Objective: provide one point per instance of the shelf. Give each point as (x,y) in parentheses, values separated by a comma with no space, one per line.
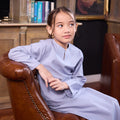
(22,24)
(19,13)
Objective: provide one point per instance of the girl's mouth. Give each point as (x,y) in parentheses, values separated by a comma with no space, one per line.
(67,36)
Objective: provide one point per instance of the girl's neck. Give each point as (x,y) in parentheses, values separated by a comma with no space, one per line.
(65,46)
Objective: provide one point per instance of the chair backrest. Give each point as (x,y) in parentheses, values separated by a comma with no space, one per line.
(26,99)
(110,76)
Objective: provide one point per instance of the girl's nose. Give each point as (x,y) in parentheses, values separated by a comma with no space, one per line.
(67,28)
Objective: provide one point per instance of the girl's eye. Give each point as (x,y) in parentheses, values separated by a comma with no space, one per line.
(60,26)
(72,24)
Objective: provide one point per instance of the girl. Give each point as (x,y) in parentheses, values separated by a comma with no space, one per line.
(61,71)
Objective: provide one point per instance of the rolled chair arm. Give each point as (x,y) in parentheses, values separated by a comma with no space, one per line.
(13,70)
(23,90)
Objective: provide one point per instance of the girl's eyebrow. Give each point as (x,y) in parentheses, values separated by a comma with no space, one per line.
(72,21)
(59,22)
(62,22)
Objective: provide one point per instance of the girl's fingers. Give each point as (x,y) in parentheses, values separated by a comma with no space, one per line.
(59,88)
(46,82)
(53,83)
(52,79)
(55,86)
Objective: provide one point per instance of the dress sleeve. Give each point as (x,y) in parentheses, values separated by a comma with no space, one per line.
(29,54)
(77,80)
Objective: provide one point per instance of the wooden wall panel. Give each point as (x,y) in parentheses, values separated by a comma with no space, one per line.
(114,17)
(34,34)
(9,38)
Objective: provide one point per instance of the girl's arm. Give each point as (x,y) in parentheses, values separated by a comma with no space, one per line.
(29,54)
(49,79)
(77,80)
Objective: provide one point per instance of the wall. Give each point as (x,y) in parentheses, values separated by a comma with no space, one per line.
(113,19)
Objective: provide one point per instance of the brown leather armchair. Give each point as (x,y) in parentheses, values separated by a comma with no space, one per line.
(27,103)
(110,75)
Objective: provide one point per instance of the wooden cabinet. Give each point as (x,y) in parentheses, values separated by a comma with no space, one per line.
(12,35)
(9,38)
(34,34)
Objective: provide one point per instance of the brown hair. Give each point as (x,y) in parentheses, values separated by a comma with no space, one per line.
(52,16)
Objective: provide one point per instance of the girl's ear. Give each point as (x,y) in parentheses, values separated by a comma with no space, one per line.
(49,29)
(76,27)
(77,24)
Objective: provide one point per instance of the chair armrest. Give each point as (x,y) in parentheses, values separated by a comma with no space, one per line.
(23,91)
(26,93)
(13,70)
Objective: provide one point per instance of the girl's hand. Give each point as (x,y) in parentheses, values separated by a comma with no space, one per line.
(58,85)
(45,74)
(49,79)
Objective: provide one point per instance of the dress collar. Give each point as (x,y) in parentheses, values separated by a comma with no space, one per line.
(59,49)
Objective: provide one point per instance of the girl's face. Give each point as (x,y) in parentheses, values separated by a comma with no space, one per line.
(64,29)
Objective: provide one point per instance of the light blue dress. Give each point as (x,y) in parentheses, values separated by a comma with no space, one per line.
(66,65)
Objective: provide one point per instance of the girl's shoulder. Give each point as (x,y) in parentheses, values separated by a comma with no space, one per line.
(45,42)
(44,45)
(75,50)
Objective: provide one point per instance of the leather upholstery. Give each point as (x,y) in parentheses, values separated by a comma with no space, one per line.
(110,76)
(24,90)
